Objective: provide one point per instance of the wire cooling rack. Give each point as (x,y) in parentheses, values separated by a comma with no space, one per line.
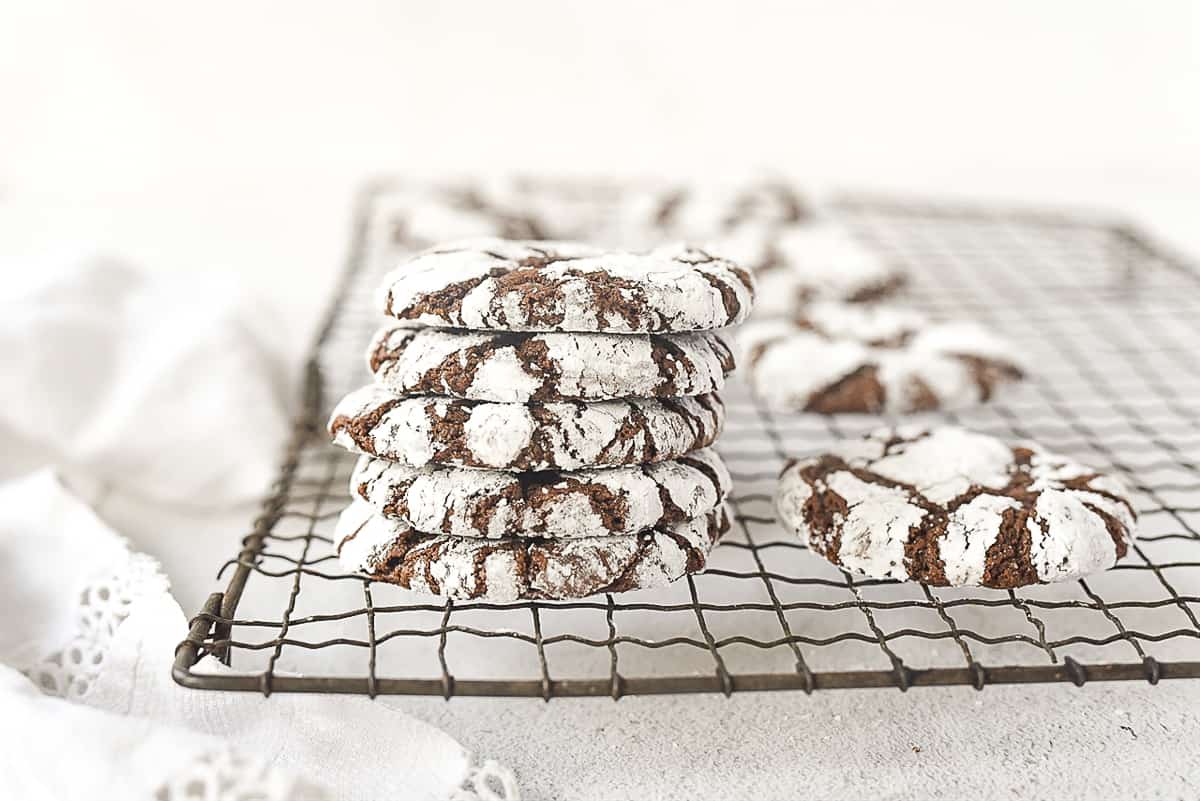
(1110,323)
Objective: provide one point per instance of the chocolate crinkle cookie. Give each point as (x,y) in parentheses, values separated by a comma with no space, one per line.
(497,284)
(950,507)
(469,502)
(817,261)
(834,358)
(526,567)
(703,212)
(519,367)
(566,435)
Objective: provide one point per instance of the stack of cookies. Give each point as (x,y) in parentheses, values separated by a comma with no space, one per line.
(540,420)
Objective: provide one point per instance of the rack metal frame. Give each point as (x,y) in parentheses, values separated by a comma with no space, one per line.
(1111,311)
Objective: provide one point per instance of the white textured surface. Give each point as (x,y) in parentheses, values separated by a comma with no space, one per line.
(1068,540)
(585,366)
(470,502)
(667,289)
(1013,743)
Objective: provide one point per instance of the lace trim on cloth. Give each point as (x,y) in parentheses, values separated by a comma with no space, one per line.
(226,775)
(217,772)
(103,605)
(490,781)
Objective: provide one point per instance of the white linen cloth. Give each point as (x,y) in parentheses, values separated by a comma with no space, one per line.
(89,626)
(164,390)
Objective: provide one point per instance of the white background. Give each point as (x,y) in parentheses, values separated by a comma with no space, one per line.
(227,137)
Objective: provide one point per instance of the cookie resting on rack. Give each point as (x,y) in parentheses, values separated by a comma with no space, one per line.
(502,285)
(839,358)
(409,217)
(813,261)
(521,367)
(566,435)
(469,502)
(703,211)
(950,507)
(522,568)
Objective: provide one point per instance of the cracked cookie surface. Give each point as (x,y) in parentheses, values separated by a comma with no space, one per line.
(521,367)
(510,436)
(503,285)
(469,502)
(815,261)
(837,358)
(524,568)
(951,507)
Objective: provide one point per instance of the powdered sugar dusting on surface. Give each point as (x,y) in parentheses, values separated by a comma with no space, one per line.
(504,378)
(497,433)
(1060,558)
(360,536)
(970,531)
(947,462)
(875,527)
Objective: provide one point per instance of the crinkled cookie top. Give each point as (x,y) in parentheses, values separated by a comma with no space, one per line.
(497,284)
(953,507)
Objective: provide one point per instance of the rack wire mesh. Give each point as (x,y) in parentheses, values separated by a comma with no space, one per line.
(1109,320)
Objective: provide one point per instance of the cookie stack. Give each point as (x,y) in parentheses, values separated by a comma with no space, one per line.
(540,420)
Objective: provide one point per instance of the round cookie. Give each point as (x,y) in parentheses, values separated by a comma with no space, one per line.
(497,284)
(839,358)
(950,507)
(705,211)
(562,209)
(810,262)
(468,502)
(419,217)
(539,436)
(531,568)
(521,367)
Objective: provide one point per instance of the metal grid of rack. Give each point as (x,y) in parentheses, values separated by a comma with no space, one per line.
(1110,323)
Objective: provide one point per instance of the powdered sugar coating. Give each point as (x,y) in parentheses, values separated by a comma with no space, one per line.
(704,211)
(468,502)
(953,507)
(421,216)
(515,368)
(507,436)
(524,568)
(854,358)
(502,285)
(813,261)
